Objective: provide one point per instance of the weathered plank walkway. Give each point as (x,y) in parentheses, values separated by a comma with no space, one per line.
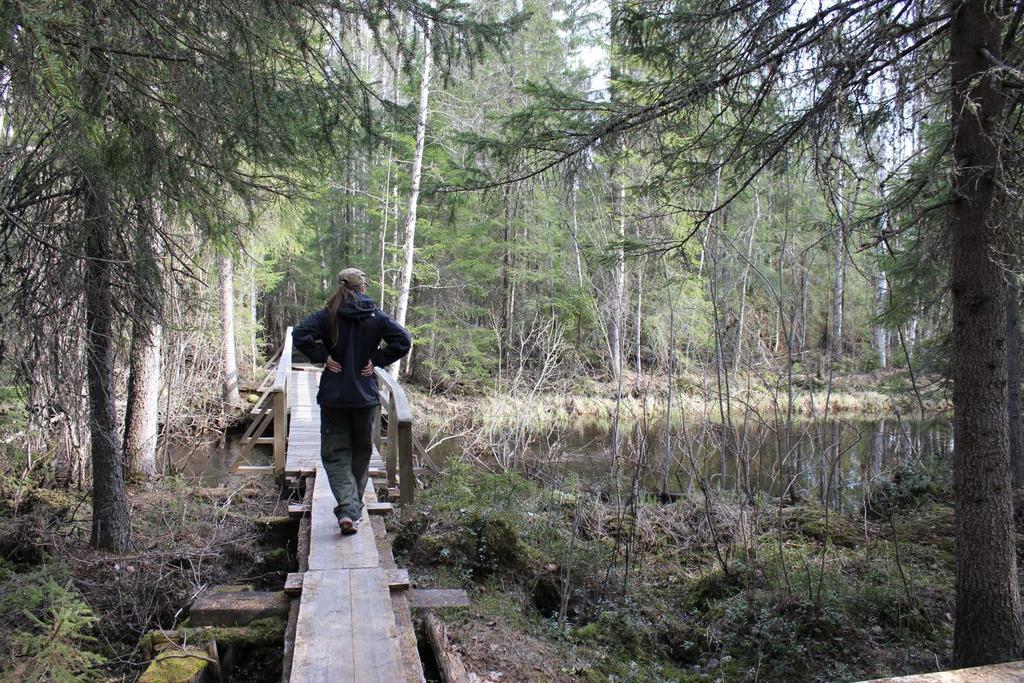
(350,626)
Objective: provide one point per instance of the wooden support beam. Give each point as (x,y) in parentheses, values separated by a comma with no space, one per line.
(236,607)
(265,441)
(255,469)
(298,509)
(379,508)
(448,660)
(398,579)
(293,584)
(438,597)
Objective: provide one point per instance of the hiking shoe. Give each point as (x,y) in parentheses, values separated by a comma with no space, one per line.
(348,527)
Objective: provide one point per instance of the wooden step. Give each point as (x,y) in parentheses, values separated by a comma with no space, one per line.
(298,509)
(398,579)
(380,508)
(438,597)
(236,607)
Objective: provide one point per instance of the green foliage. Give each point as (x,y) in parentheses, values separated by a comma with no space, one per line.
(47,626)
(910,485)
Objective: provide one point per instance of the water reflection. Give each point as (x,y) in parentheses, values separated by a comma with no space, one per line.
(207,463)
(835,461)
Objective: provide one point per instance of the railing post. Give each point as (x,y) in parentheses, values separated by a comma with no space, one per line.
(280,429)
(282,385)
(405,464)
(392,455)
(398,458)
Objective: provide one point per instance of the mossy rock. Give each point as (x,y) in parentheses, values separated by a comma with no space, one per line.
(177,666)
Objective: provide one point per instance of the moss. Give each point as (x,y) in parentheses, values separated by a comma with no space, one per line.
(176,666)
(809,522)
(277,560)
(260,633)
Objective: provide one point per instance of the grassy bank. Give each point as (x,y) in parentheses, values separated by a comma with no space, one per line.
(568,585)
(68,612)
(764,397)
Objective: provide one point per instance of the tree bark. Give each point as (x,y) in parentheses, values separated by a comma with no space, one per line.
(745,282)
(405,286)
(227,322)
(1013,378)
(618,206)
(110,523)
(988,626)
(141,420)
(839,266)
(879,333)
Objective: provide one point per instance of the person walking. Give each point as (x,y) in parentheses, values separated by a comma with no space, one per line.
(345,336)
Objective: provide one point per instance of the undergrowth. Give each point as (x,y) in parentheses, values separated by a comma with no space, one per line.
(693,590)
(68,612)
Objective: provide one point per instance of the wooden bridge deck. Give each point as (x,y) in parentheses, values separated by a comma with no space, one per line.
(348,626)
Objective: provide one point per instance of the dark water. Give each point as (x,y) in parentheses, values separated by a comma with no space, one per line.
(837,461)
(208,463)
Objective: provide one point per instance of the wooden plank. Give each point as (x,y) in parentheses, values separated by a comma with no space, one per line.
(398,579)
(255,469)
(448,660)
(375,647)
(324,633)
(297,509)
(236,608)
(438,597)
(996,673)
(379,508)
(293,584)
(328,548)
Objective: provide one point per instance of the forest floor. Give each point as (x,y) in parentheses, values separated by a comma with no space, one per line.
(763,396)
(567,586)
(69,612)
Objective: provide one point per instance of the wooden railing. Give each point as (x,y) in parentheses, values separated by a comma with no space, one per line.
(272,408)
(398,449)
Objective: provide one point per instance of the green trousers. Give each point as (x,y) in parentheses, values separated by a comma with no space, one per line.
(346,442)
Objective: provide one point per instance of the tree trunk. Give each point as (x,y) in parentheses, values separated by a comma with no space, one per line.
(745,282)
(141,420)
(988,625)
(879,333)
(110,523)
(1013,377)
(579,264)
(227,323)
(405,285)
(618,216)
(839,266)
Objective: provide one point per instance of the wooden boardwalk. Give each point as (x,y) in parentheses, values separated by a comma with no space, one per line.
(351,626)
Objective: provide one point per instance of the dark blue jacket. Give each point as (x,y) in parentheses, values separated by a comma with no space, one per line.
(361,328)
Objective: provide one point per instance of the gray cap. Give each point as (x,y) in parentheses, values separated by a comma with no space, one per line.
(352,278)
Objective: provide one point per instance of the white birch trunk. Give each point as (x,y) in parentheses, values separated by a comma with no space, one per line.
(405,284)
(227,323)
